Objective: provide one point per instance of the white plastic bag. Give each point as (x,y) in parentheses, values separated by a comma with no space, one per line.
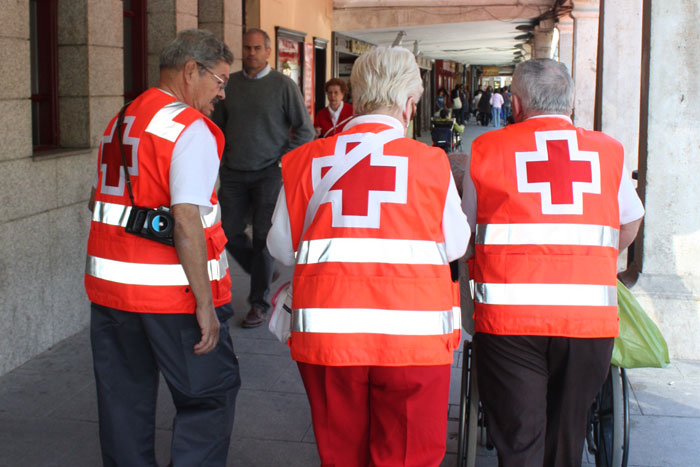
(280,323)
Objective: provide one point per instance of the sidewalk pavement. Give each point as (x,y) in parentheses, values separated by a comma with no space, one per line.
(48,412)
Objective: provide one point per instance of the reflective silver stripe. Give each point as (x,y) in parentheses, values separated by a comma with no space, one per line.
(457,316)
(547,234)
(149,274)
(371,250)
(546,294)
(110,213)
(211,218)
(373,321)
(118,214)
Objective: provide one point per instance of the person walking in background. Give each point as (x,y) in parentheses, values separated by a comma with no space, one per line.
(441,101)
(548,228)
(496,102)
(475,104)
(371,219)
(485,106)
(506,104)
(457,104)
(158,307)
(263,118)
(331,120)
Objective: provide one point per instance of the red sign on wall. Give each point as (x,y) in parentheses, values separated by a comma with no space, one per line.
(309,77)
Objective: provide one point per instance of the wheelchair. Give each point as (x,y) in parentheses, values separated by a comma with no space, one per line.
(444,136)
(607,432)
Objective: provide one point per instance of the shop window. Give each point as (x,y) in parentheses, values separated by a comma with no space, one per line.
(43,35)
(290,54)
(135,48)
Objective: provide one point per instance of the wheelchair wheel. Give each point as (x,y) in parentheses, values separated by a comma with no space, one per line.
(471,427)
(608,430)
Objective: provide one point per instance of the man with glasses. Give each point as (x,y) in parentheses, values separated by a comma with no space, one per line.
(263,118)
(158,307)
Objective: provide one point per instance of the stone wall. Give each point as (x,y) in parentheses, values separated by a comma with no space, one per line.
(44,220)
(669,286)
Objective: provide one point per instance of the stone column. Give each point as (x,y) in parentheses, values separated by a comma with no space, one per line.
(622,57)
(669,286)
(90,70)
(224,18)
(585,57)
(165,19)
(544,34)
(566,40)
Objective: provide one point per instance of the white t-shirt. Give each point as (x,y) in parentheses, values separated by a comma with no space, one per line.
(496,100)
(194,167)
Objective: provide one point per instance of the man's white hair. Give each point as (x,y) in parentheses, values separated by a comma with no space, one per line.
(543,86)
(383,79)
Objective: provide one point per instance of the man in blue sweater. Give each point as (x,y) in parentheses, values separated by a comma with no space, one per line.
(263,117)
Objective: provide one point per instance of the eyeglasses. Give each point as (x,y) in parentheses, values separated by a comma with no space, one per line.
(222,83)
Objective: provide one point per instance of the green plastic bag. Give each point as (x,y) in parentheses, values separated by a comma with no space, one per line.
(640,343)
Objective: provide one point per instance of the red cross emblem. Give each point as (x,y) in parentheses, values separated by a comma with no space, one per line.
(357,196)
(112,173)
(559,172)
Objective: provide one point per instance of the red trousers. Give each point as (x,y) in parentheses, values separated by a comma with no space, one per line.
(378,416)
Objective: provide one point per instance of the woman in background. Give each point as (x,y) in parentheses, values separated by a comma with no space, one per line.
(332,119)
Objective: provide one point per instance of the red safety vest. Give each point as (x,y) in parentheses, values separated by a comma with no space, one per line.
(547,230)
(128,272)
(371,283)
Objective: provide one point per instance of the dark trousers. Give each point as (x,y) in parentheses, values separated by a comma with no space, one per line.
(128,351)
(255,193)
(378,415)
(536,392)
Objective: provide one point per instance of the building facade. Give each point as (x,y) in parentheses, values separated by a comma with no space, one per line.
(68,66)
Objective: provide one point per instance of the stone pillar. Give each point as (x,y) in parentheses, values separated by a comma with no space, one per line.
(15,106)
(622,57)
(224,18)
(544,35)
(566,40)
(90,69)
(165,19)
(669,286)
(585,58)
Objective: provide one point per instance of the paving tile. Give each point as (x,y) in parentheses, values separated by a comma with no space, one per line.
(261,372)
(289,381)
(668,393)
(265,453)
(256,345)
(268,415)
(664,441)
(30,441)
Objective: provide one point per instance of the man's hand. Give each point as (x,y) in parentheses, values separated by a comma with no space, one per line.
(209,324)
(192,252)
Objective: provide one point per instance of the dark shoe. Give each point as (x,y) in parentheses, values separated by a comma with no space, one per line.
(255,317)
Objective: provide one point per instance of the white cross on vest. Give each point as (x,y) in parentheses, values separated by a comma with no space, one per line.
(558,171)
(357,196)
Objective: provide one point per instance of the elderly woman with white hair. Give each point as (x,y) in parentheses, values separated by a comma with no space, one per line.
(371,220)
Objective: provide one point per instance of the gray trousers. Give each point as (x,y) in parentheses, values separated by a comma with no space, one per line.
(129,350)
